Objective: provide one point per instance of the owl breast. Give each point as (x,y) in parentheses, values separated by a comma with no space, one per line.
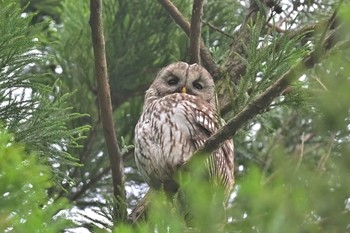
(169,131)
(163,138)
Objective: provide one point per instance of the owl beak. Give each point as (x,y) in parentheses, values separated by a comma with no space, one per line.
(183,90)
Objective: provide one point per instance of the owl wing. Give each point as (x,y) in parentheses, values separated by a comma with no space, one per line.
(207,122)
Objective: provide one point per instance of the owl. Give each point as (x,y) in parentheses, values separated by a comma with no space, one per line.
(179,115)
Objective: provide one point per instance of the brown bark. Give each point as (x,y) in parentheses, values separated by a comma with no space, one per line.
(105,104)
(195,31)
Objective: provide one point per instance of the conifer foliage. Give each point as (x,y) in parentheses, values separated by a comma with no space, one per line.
(34,136)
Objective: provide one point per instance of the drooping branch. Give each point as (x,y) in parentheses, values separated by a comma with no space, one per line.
(195,32)
(105,104)
(179,19)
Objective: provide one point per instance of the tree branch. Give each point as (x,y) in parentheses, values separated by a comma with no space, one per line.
(307,31)
(261,102)
(195,32)
(179,19)
(104,97)
(218,29)
(88,185)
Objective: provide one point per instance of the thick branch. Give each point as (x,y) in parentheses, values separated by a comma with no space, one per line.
(176,15)
(106,105)
(195,32)
(179,19)
(261,102)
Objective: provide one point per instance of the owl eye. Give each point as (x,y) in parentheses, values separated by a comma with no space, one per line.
(197,85)
(173,81)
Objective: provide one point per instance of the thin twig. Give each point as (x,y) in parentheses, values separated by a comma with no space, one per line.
(105,103)
(218,29)
(301,154)
(140,209)
(324,87)
(87,186)
(322,163)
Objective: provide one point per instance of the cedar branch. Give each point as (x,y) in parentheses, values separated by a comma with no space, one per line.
(85,151)
(105,104)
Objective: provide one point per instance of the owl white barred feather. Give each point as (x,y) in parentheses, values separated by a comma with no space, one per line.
(179,115)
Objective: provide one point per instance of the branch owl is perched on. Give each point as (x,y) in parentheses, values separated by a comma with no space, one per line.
(179,115)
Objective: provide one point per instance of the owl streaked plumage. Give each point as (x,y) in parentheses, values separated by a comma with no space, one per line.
(179,115)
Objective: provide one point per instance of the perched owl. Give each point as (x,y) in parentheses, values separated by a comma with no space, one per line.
(179,115)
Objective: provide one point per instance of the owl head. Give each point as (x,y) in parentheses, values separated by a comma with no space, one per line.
(181,77)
